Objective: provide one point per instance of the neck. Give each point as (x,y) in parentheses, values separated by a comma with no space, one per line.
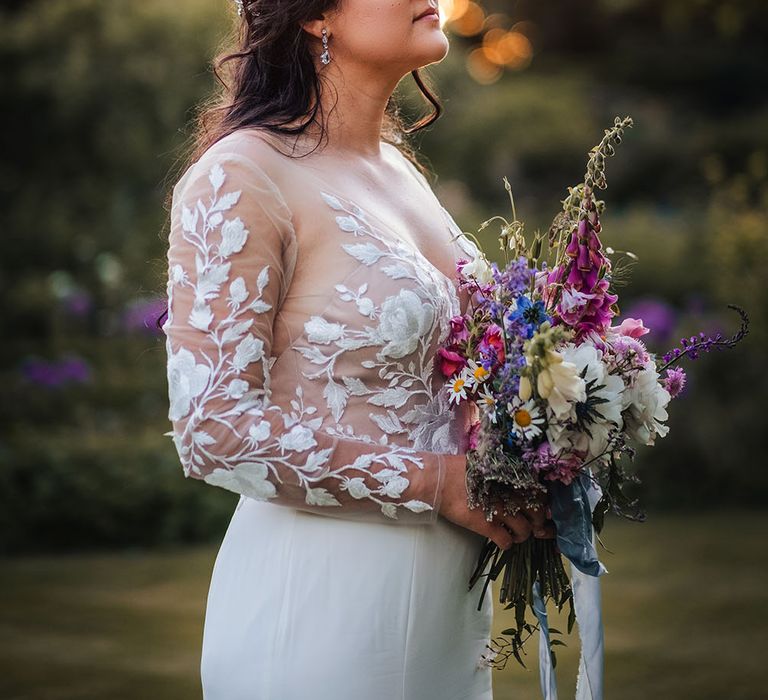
(354,104)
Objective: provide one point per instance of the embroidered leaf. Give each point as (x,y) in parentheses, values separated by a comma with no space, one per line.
(336,397)
(226,201)
(321,497)
(216,177)
(417,506)
(391,398)
(366,253)
(390,510)
(235,332)
(332,202)
(347,223)
(263,278)
(355,386)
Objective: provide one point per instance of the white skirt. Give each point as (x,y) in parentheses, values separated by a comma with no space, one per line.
(311,607)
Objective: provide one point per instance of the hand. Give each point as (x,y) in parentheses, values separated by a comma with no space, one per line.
(504,530)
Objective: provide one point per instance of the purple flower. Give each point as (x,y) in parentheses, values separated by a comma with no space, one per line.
(674,382)
(79,303)
(68,370)
(658,316)
(141,315)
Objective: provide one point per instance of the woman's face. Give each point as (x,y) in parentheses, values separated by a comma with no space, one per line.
(387,34)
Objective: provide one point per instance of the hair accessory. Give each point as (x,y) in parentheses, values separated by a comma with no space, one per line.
(241,8)
(325,57)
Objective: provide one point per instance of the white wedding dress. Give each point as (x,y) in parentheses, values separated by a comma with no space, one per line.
(301,340)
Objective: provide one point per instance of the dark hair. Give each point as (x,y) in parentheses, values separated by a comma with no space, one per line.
(271,81)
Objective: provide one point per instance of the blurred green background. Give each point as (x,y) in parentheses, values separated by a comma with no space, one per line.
(103,541)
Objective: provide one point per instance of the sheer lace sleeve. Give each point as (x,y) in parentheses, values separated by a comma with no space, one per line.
(231,258)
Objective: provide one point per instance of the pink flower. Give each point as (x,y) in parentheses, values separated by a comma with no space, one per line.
(459,332)
(474,435)
(450,362)
(492,344)
(555,467)
(625,347)
(633,327)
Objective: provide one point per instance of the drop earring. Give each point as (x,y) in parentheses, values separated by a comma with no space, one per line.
(325,57)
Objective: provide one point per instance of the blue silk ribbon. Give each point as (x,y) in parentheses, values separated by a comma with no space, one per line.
(572,507)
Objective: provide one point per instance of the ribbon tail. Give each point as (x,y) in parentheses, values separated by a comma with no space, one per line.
(587,604)
(546,671)
(572,507)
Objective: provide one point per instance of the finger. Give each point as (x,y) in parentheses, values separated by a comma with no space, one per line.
(500,536)
(537,518)
(520,527)
(548,532)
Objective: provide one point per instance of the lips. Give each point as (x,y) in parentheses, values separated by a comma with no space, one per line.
(428,12)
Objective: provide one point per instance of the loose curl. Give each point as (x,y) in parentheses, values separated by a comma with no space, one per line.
(271,80)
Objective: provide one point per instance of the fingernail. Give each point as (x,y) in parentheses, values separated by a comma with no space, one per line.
(539,533)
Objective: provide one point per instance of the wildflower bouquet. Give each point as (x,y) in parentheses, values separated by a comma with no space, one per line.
(564,393)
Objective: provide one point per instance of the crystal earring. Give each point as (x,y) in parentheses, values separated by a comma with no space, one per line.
(325,57)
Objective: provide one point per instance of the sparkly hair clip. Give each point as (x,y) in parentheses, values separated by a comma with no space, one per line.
(241,8)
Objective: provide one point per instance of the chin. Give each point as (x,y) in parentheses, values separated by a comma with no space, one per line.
(432,51)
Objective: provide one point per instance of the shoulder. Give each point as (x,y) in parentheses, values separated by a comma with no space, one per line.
(243,159)
(406,164)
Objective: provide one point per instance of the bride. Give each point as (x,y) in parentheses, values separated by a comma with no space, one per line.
(311,280)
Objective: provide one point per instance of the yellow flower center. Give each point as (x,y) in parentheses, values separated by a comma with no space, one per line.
(522,418)
(481,373)
(458,385)
(490,401)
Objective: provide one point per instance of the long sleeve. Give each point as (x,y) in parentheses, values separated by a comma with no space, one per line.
(231,258)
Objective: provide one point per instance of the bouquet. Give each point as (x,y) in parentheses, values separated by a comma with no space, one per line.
(565,392)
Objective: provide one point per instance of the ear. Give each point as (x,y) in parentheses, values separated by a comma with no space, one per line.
(315,27)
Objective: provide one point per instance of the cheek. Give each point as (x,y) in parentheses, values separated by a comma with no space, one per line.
(384,31)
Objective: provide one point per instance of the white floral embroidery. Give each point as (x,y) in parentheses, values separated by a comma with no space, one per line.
(411,324)
(208,388)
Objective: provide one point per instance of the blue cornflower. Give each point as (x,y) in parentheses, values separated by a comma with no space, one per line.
(529,313)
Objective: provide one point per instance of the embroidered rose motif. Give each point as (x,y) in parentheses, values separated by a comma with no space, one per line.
(404,320)
(186,381)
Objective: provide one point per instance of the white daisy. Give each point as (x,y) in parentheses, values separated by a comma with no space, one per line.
(488,403)
(476,374)
(457,387)
(527,418)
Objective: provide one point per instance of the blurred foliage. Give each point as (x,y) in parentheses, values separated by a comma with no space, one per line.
(97,98)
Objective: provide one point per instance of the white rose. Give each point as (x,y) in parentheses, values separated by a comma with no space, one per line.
(319,330)
(249,349)
(404,320)
(248,479)
(298,439)
(236,388)
(233,237)
(186,381)
(645,406)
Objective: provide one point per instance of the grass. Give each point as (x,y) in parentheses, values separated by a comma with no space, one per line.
(684,608)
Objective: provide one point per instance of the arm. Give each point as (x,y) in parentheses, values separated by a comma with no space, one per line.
(232,252)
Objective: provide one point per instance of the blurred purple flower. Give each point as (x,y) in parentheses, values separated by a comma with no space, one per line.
(141,315)
(79,303)
(68,370)
(658,316)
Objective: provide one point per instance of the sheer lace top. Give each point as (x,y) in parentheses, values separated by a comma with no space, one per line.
(301,339)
